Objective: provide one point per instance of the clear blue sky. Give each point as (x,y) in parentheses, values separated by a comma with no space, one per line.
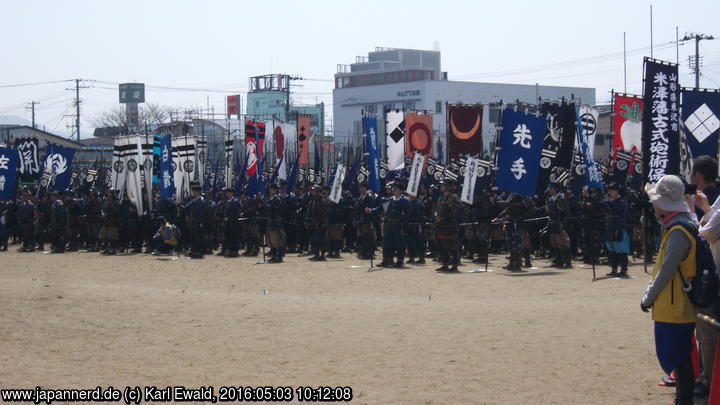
(219,44)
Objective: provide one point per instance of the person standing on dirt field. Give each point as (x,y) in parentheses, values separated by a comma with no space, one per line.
(449,215)
(672,311)
(617,240)
(558,212)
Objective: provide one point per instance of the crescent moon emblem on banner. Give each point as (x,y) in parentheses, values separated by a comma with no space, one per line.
(464,135)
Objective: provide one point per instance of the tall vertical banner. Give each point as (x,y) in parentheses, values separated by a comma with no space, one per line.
(228,178)
(167,182)
(470,174)
(147,168)
(521,143)
(415,174)
(627,123)
(200,154)
(588,118)
(279,139)
(303,139)
(661,118)
(156,158)
(57,171)
(418,134)
(183,162)
(464,130)
(29,159)
(134,179)
(8,174)
(592,175)
(558,143)
(395,139)
(700,111)
(336,191)
(371,148)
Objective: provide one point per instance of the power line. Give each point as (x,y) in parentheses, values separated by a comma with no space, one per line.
(33,83)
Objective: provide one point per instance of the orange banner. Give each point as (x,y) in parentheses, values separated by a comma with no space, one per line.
(418,129)
(303,137)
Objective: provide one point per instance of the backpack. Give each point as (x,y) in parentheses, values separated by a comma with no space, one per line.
(168,235)
(703,288)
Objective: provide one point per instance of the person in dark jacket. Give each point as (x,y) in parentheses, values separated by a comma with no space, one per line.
(26,220)
(196,210)
(58,223)
(617,240)
(395,226)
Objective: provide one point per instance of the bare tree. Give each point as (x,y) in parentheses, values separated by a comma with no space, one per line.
(149,114)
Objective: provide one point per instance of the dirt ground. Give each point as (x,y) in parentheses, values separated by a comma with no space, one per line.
(410,336)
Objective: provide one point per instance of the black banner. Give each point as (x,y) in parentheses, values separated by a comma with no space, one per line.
(29,159)
(558,144)
(661,120)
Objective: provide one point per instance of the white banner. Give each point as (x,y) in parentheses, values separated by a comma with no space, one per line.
(200,154)
(395,139)
(336,192)
(589,120)
(147,169)
(184,165)
(471,172)
(415,174)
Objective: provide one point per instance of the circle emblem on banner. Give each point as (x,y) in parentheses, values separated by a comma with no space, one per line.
(132,165)
(580,170)
(481,171)
(437,176)
(553,178)
(188,166)
(361,177)
(148,164)
(383,173)
(90,178)
(173,166)
(419,137)
(431,170)
(638,169)
(119,166)
(201,157)
(588,124)
(622,165)
(311,178)
(301,178)
(44,182)
(545,162)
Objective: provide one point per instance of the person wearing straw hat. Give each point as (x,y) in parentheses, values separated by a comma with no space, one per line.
(672,311)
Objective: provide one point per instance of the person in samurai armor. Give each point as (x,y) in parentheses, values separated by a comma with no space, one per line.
(335,225)
(395,226)
(316,223)
(230,214)
(252,210)
(275,233)
(26,219)
(558,211)
(594,211)
(415,233)
(617,240)
(196,210)
(513,217)
(478,227)
(448,217)
(58,222)
(366,241)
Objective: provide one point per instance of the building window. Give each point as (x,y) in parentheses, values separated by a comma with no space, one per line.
(371,108)
(438,107)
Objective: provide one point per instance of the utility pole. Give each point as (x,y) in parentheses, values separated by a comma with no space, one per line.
(696,68)
(32,108)
(77,106)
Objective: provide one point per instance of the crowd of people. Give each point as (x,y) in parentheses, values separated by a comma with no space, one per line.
(598,226)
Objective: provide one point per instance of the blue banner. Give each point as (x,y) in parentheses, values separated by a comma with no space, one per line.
(167,180)
(57,172)
(292,176)
(593,177)
(521,142)
(157,148)
(371,148)
(700,110)
(8,173)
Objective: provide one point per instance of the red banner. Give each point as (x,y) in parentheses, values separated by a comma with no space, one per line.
(303,137)
(279,139)
(627,123)
(464,130)
(254,140)
(233,105)
(418,130)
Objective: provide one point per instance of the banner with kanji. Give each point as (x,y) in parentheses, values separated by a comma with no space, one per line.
(464,130)
(28,159)
(592,175)
(167,182)
(558,144)
(8,174)
(371,148)
(661,119)
(521,142)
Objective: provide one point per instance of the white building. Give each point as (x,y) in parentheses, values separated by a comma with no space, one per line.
(412,80)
